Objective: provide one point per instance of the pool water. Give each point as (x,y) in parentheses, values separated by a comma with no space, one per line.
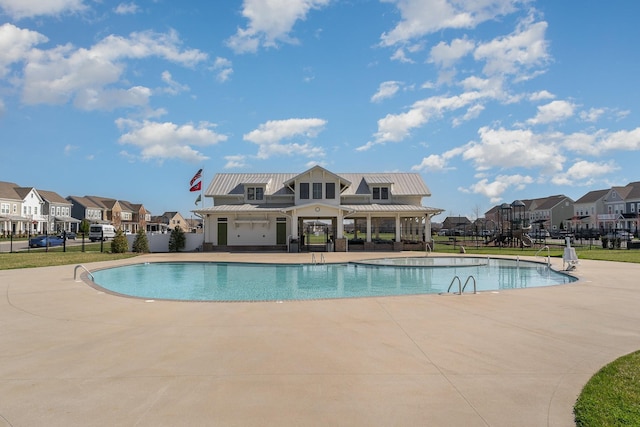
(211,281)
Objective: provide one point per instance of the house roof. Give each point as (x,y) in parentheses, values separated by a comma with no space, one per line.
(8,191)
(592,196)
(404,184)
(53,197)
(85,202)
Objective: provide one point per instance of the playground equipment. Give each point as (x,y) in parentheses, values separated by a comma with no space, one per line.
(513,226)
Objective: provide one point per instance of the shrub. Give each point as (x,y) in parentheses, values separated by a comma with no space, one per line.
(177,240)
(119,244)
(141,243)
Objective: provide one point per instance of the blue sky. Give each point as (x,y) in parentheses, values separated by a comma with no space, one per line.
(489,100)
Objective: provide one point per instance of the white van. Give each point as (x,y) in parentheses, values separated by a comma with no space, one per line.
(101,231)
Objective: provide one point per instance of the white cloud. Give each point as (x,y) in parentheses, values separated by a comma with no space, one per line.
(541,95)
(127,9)
(16,45)
(494,190)
(473,112)
(386,90)
(583,173)
(422,17)
(236,161)
(270,22)
(437,162)
(502,148)
(162,141)
(29,8)
(592,115)
(396,127)
(554,111)
(521,50)
(90,77)
(224,69)
(3,108)
(446,55)
(269,137)
(173,87)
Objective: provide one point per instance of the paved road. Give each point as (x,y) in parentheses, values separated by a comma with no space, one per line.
(23,245)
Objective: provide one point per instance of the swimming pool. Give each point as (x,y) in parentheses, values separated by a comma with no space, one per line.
(213,281)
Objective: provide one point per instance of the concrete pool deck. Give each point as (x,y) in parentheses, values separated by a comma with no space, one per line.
(71,355)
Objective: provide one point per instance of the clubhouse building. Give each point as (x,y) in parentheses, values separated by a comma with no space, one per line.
(317,210)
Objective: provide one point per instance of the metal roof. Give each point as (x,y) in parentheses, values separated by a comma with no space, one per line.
(404,184)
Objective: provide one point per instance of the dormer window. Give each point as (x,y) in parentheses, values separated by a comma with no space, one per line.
(380,193)
(317,190)
(255,193)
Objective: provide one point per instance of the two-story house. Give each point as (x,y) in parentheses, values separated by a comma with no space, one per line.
(11,220)
(58,210)
(87,209)
(317,207)
(622,208)
(32,209)
(586,210)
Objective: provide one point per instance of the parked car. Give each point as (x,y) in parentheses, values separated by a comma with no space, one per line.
(540,234)
(70,235)
(44,241)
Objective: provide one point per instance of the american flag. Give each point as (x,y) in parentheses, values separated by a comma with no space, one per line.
(196,177)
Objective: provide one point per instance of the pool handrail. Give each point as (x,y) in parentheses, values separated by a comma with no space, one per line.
(548,254)
(75,270)
(461,288)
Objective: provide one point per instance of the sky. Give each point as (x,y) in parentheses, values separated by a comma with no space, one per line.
(490,101)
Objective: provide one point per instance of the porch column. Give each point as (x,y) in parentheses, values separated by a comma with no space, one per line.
(294,224)
(368,227)
(339,225)
(398,239)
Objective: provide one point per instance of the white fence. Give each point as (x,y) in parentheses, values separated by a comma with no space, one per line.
(160,242)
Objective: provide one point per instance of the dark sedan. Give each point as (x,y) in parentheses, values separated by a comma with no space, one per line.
(44,241)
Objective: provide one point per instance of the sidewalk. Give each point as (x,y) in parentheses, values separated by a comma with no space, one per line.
(71,355)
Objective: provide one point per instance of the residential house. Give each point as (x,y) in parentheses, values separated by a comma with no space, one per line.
(175,220)
(281,211)
(459,225)
(586,211)
(32,209)
(84,208)
(58,211)
(11,220)
(549,213)
(622,208)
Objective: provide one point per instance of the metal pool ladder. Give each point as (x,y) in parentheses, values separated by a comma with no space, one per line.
(548,254)
(75,271)
(314,261)
(461,288)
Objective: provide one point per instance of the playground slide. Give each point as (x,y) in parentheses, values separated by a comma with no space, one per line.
(523,237)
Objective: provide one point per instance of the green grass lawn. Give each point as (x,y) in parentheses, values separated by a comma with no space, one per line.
(56,256)
(612,395)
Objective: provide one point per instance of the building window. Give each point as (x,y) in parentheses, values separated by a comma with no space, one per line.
(317,190)
(380,193)
(304,190)
(255,193)
(330,190)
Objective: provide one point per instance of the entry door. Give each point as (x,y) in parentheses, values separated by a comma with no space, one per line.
(222,234)
(281,233)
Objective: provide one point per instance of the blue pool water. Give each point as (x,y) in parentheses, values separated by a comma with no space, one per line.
(211,281)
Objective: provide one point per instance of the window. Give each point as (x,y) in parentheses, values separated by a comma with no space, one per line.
(304,190)
(255,193)
(52,211)
(380,193)
(35,210)
(317,190)
(4,208)
(330,190)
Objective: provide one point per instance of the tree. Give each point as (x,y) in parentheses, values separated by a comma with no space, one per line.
(141,243)
(84,227)
(119,244)
(177,240)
